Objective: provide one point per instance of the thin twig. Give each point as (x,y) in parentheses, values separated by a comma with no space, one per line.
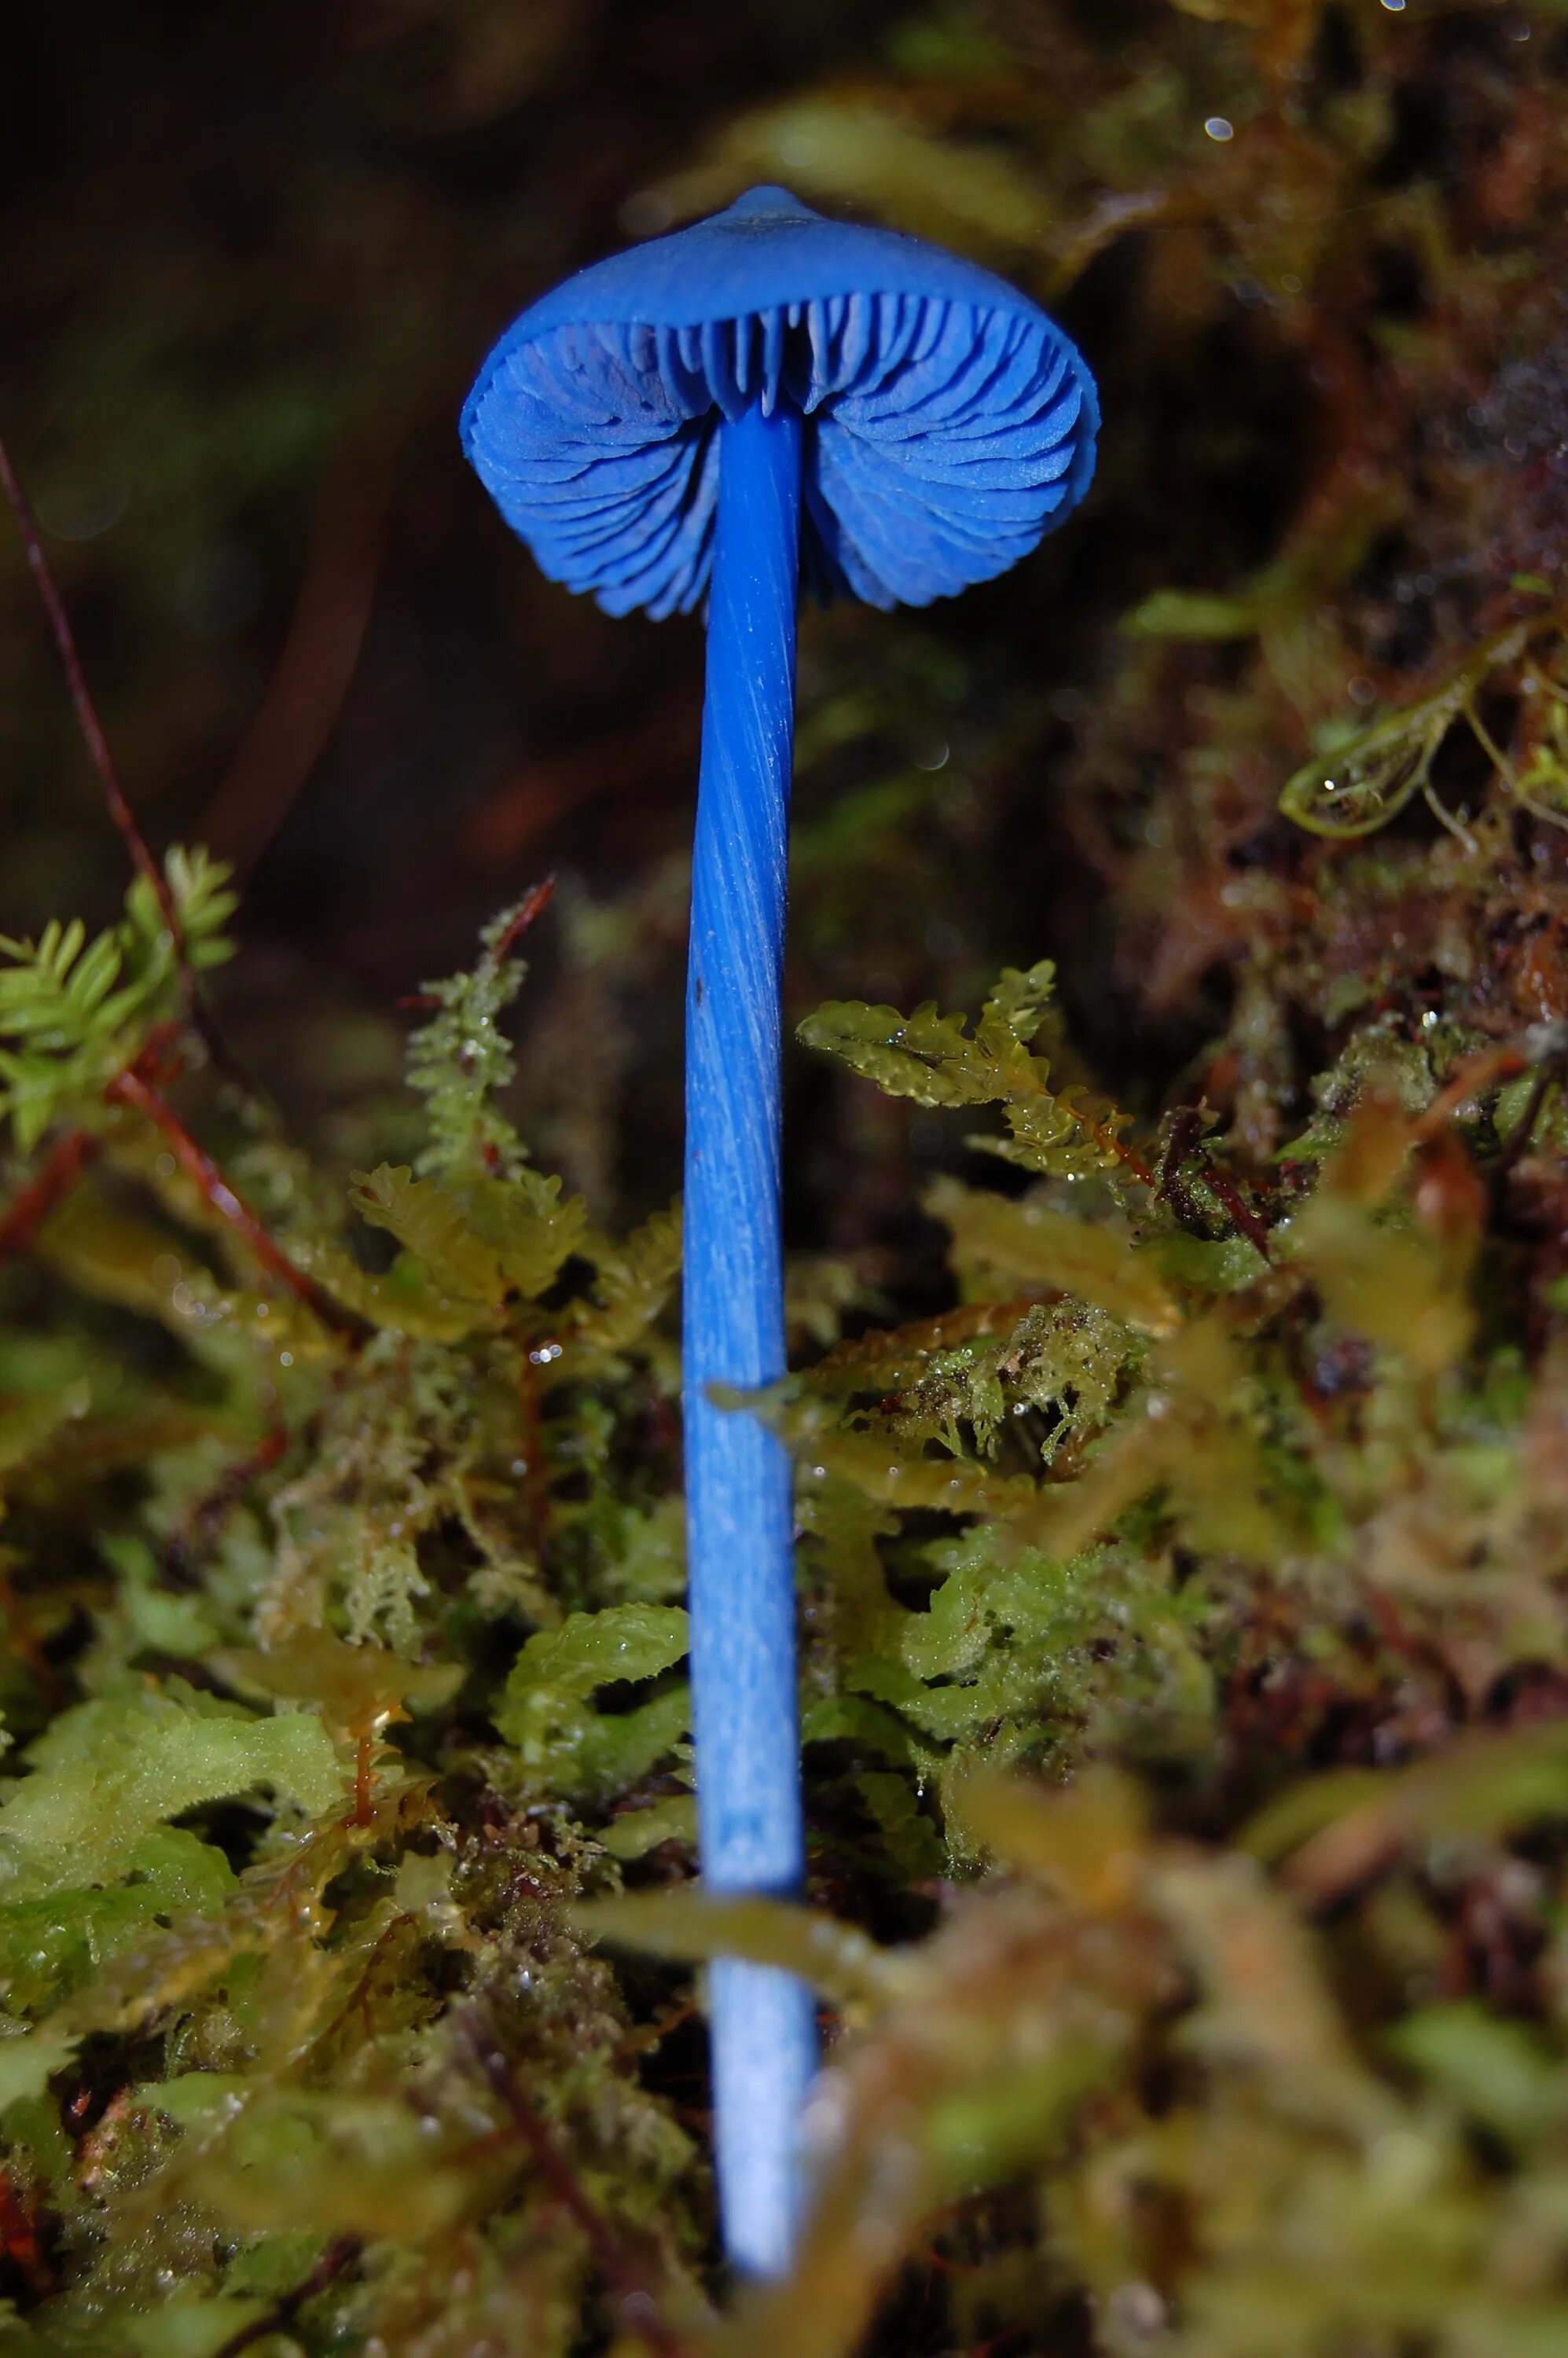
(640,2311)
(338,2255)
(998,2342)
(1473,1074)
(322,648)
(622,762)
(133,1090)
(1243,1218)
(19,2236)
(198,1527)
(92,728)
(1129,1159)
(28,1210)
(1186,1130)
(120,811)
(534,903)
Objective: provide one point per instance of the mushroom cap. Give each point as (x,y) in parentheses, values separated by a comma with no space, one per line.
(949,424)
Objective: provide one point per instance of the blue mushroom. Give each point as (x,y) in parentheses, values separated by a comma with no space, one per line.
(764,397)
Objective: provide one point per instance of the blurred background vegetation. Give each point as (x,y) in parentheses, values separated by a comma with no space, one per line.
(1232,1432)
(249,264)
(250,261)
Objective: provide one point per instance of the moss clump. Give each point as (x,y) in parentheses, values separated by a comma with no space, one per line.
(1180,1393)
(345,1670)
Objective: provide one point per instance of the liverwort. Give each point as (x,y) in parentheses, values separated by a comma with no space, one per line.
(764,397)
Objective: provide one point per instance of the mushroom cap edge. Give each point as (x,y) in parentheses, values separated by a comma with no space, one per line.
(592,514)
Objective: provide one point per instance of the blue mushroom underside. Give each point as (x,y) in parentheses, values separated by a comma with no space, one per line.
(943,439)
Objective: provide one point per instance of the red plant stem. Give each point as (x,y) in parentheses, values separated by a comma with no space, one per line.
(200,1526)
(131,1088)
(63,1166)
(1186,1129)
(364,1780)
(326,2272)
(92,728)
(1473,1074)
(325,636)
(534,903)
(1241,1213)
(640,2310)
(1127,1157)
(19,2237)
(120,812)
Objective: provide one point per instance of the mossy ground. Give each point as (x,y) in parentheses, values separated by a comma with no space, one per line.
(1180,1339)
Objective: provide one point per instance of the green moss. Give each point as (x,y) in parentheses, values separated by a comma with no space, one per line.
(1179,1390)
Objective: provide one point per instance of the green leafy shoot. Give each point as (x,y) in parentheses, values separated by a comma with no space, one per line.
(461,1061)
(547,1712)
(111,1770)
(936,1060)
(75,1011)
(1367,777)
(506,1235)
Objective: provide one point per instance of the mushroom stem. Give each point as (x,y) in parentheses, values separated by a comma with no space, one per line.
(739,1514)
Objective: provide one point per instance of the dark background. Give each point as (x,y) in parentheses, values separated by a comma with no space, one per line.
(253,258)
(249,260)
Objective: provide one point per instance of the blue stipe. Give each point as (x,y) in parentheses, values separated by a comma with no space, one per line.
(701,418)
(739,1504)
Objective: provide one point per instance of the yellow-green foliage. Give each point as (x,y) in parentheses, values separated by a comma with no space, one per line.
(369,1677)
(935,1060)
(213,1841)
(72,1011)
(1179,1384)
